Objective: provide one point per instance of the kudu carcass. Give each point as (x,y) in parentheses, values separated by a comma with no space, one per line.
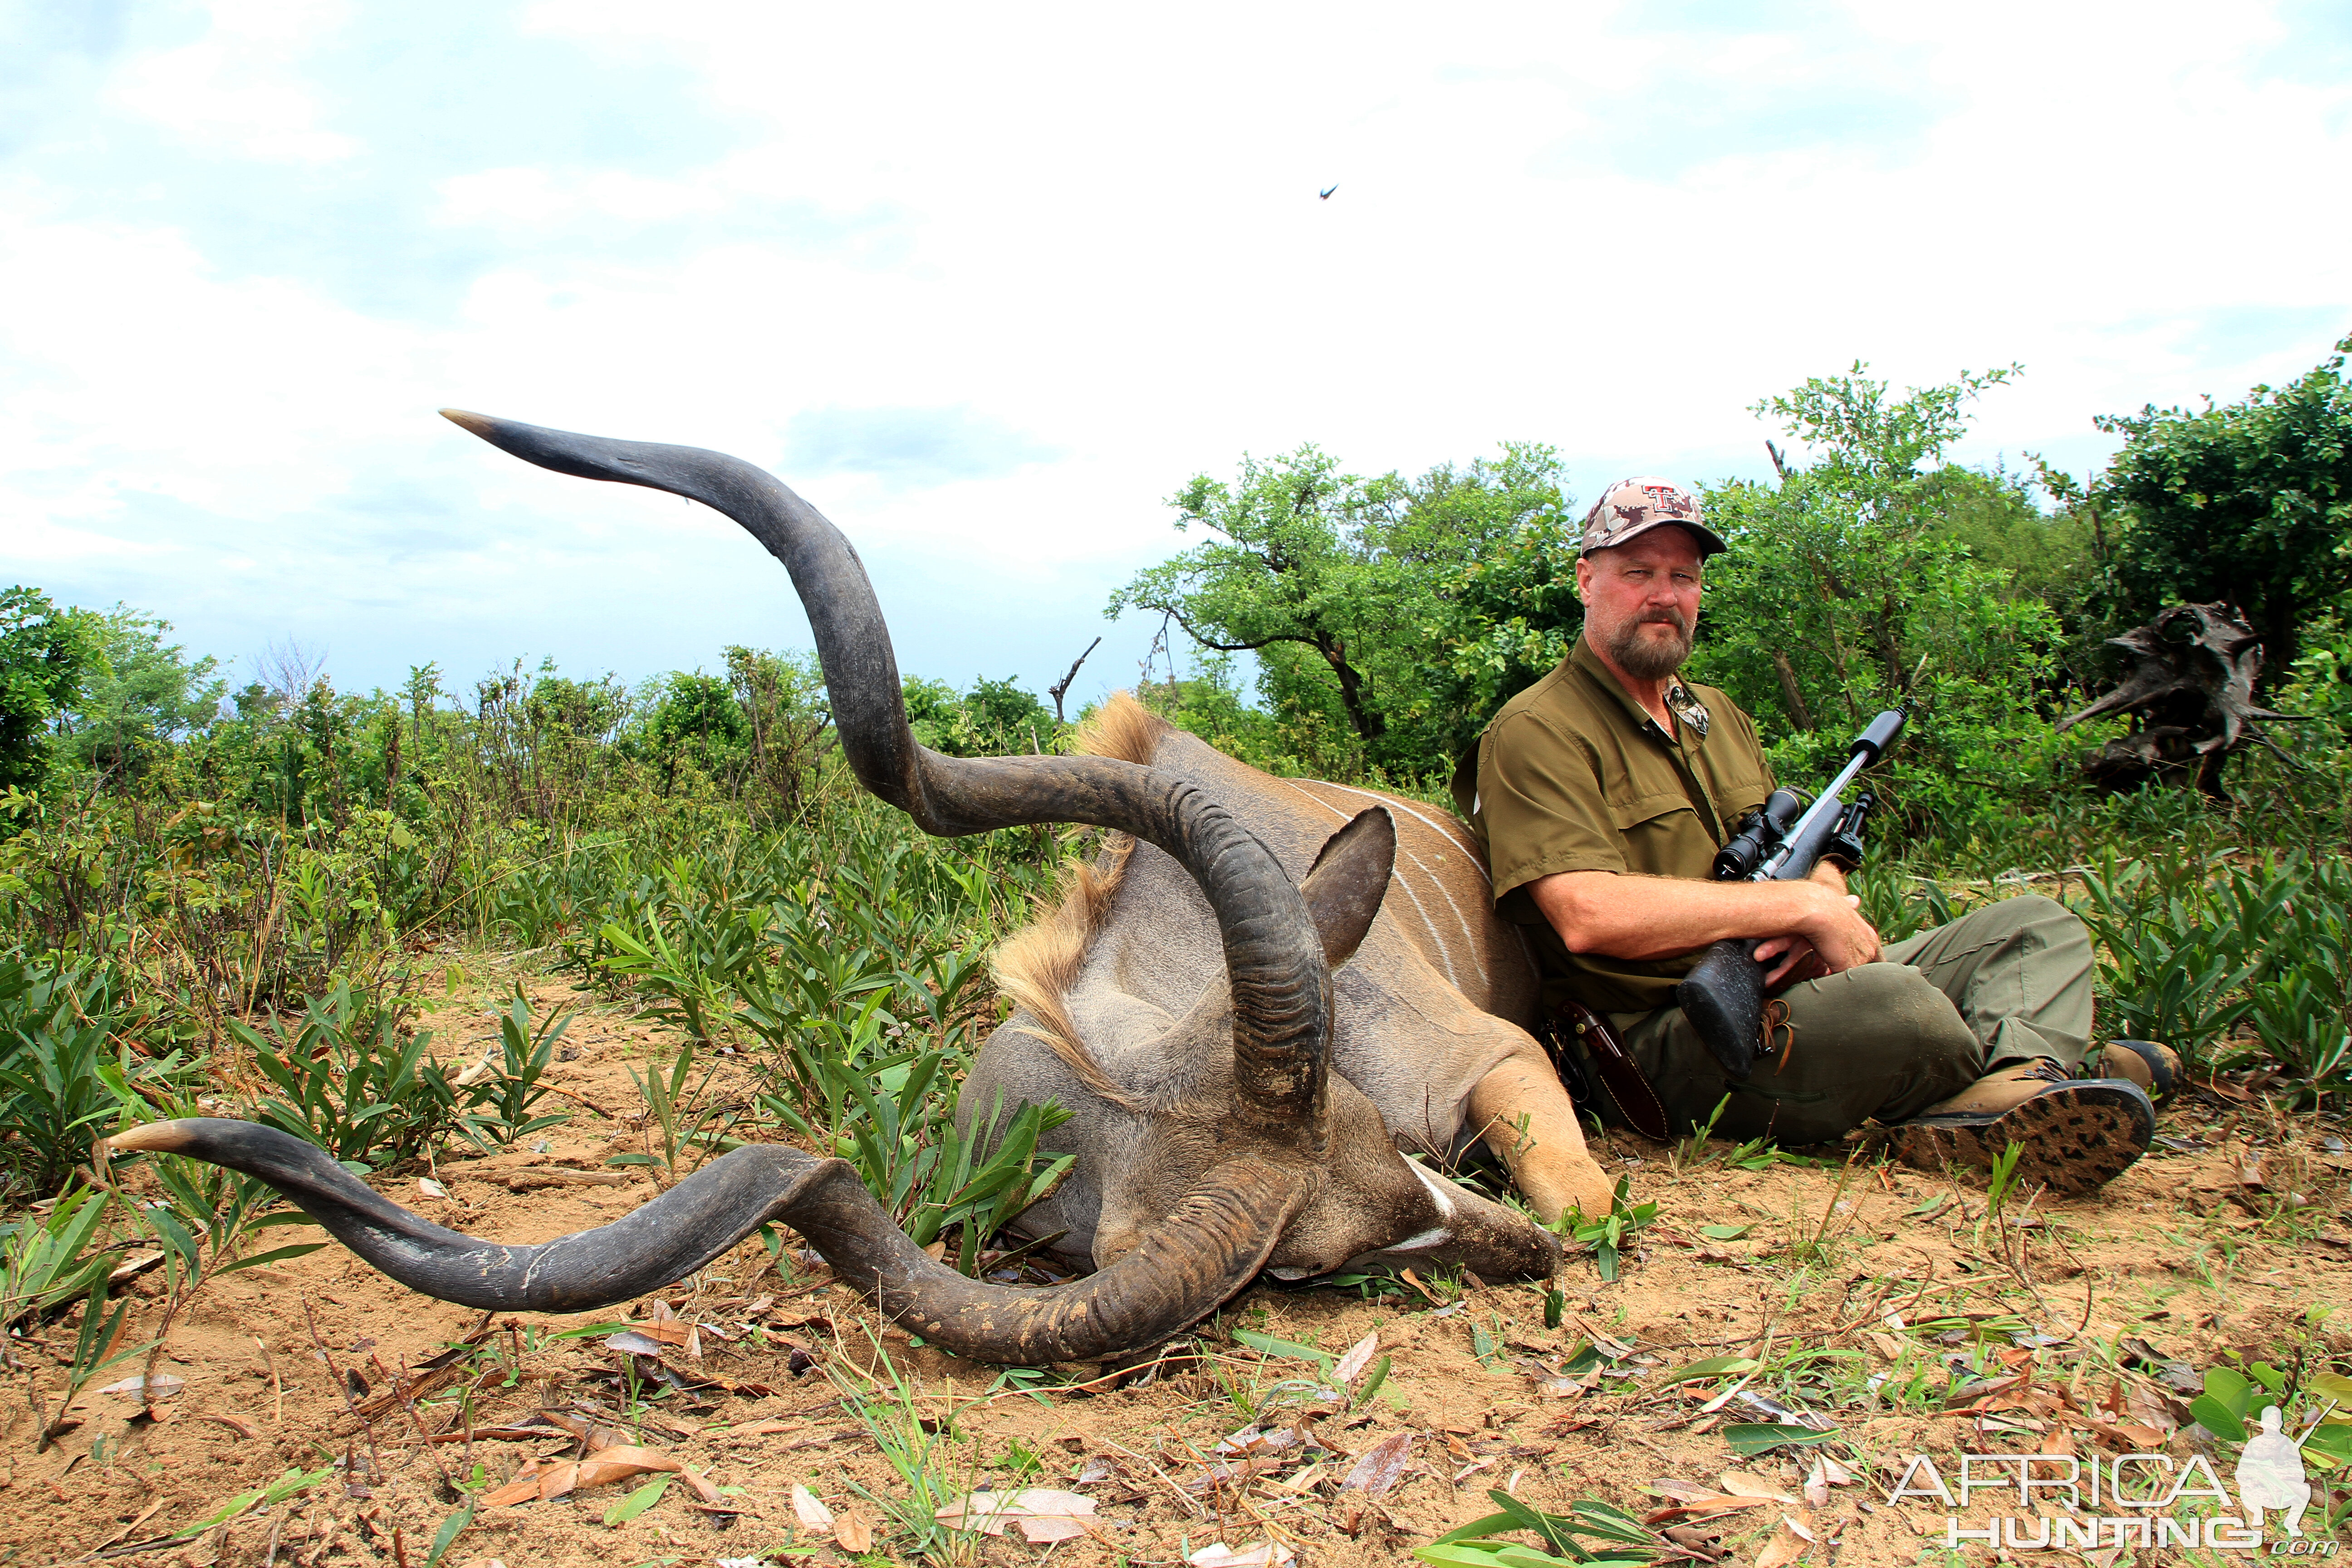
(1249,1003)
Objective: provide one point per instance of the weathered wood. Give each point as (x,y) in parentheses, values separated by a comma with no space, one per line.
(2189,686)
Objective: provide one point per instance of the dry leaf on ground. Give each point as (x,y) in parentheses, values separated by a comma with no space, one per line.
(1680,1490)
(166,1385)
(1265,1554)
(1043,1515)
(1256,1439)
(1382,1465)
(2130,1436)
(668,1331)
(1747,1483)
(852,1533)
(809,1510)
(1358,1357)
(635,1343)
(619,1463)
(1702,1507)
(1785,1547)
(133,1265)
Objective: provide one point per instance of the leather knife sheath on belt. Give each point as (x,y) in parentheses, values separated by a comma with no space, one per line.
(1636,1101)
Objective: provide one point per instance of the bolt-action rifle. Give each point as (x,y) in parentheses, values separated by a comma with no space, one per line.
(1722,997)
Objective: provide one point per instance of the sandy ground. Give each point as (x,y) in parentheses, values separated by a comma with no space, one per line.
(1874,1299)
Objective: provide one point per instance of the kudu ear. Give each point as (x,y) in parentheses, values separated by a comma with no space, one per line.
(1350,875)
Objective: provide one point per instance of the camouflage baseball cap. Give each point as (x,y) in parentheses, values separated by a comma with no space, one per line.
(1631,508)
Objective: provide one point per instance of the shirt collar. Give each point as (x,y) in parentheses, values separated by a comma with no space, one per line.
(1681,701)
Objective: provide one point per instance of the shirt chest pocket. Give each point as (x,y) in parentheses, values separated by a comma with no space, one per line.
(1738,789)
(1663,835)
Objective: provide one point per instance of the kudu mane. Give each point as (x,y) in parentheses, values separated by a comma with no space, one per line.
(1037,965)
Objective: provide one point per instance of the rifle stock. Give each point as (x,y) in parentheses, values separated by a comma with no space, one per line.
(1722,997)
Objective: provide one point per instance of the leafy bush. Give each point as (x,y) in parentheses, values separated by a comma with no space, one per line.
(1851,586)
(55,1260)
(2250,504)
(498,1105)
(2172,966)
(852,964)
(993,718)
(2193,947)
(352,1081)
(1624,1541)
(65,1070)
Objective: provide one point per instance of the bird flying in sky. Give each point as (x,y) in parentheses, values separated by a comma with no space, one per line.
(1326,195)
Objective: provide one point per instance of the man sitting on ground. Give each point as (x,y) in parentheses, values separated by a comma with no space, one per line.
(1603,792)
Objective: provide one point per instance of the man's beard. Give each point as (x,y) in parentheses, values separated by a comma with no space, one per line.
(1646,658)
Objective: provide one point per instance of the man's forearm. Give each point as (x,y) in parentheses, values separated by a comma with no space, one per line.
(1618,915)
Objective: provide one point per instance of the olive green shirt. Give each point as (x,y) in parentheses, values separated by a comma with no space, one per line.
(1574,777)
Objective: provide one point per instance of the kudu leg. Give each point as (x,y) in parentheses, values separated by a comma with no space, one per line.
(1527,1119)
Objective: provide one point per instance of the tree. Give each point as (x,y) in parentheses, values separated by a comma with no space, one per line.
(1504,619)
(46,654)
(1855,567)
(1345,588)
(140,695)
(787,712)
(694,720)
(2248,504)
(994,718)
(1292,564)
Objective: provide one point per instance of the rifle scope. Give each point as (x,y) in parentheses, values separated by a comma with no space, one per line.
(1736,861)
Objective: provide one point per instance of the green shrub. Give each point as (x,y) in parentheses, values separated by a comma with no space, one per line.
(352,1081)
(67,1066)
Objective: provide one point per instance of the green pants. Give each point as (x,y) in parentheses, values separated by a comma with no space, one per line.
(2007,982)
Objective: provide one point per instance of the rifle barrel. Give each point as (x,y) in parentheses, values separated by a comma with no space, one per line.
(1868,747)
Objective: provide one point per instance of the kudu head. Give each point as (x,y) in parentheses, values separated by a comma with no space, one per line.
(1366,1204)
(1295,1170)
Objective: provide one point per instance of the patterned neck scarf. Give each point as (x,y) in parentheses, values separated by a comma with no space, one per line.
(1687,708)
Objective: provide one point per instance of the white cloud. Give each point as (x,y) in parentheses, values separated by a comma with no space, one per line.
(1092,236)
(240,88)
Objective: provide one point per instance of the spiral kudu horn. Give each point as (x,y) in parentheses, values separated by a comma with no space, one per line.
(1273,958)
(1218,1237)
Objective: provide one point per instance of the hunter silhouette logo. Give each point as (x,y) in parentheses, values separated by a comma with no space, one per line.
(2271,1475)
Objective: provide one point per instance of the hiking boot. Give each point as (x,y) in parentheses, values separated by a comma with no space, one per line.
(2075,1134)
(2156,1068)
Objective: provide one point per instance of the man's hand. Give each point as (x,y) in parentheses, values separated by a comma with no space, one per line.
(1797,960)
(1836,938)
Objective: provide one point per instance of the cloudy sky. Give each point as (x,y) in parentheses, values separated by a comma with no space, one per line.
(987,284)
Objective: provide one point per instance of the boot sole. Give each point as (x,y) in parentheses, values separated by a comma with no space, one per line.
(2074,1137)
